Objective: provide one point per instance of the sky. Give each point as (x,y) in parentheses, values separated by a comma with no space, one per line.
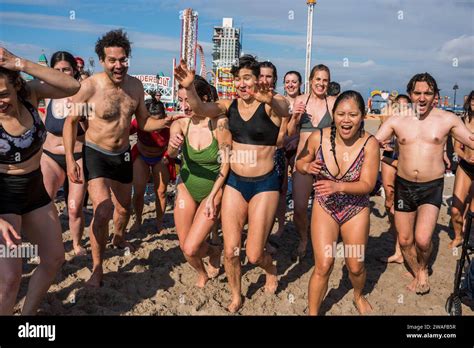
(370,44)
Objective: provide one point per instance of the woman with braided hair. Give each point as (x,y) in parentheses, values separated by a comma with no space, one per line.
(341,202)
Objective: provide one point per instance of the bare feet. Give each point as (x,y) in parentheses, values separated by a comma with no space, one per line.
(79,250)
(412,285)
(120,243)
(362,305)
(214,261)
(136,226)
(95,281)
(423,285)
(271,283)
(202,280)
(235,305)
(457,241)
(395,258)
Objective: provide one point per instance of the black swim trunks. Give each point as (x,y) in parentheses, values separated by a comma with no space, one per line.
(21,194)
(61,159)
(100,163)
(468,168)
(410,195)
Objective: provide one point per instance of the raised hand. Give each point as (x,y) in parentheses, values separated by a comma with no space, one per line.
(184,76)
(264,93)
(9,61)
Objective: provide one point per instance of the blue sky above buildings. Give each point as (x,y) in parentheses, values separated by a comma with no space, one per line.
(382,42)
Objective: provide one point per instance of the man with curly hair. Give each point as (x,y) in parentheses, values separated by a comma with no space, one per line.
(113,96)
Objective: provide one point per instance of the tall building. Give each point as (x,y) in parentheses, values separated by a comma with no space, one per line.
(227,45)
(189,32)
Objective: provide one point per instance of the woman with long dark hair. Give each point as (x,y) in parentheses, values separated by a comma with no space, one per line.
(344,160)
(53,161)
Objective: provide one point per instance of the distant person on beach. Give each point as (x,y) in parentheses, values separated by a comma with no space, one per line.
(252,189)
(341,204)
(293,82)
(205,145)
(53,160)
(26,209)
(150,156)
(268,74)
(463,184)
(108,169)
(419,183)
(311,112)
(82,74)
(158,104)
(334,89)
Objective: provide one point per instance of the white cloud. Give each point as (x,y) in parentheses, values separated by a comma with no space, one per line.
(62,23)
(460,48)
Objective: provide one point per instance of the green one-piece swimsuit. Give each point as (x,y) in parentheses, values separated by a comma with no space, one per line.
(200,168)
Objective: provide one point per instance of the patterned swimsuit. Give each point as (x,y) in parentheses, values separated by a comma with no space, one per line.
(342,206)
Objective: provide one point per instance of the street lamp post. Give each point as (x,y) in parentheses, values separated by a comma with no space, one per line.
(309,43)
(455,87)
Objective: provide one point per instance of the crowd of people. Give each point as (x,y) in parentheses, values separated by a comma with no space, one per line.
(238,157)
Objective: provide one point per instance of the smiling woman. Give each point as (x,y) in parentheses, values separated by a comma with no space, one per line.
(25,206)
(341,201)
(251,191)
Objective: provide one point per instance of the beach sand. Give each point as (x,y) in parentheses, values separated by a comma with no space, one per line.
(156,280)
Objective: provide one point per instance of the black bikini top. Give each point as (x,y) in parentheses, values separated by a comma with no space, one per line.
(17,149)
(55,125)
(258,130)
(307,126)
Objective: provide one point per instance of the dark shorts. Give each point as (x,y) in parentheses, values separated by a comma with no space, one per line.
(21,194)
(468,168)
(61,159)
(100,163)
(390,154)
(279,161)
(410,195)
(250,186)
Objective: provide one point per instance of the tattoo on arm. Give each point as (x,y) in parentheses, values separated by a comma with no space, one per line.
(223,125)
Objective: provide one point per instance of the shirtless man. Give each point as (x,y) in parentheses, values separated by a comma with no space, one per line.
(114,97)
(419,182)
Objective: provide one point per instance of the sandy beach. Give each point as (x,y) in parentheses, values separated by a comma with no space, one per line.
(156,280)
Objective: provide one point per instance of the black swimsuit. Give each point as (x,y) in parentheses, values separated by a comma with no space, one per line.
(55,126)
(21,194)
(17,149)
(258,130)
